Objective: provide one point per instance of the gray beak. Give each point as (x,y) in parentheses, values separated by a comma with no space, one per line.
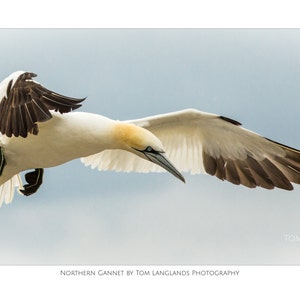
(160,159)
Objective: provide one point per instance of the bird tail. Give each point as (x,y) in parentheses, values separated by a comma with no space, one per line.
(7,189)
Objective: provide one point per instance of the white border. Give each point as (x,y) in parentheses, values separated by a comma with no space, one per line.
(49,282)
(150,14)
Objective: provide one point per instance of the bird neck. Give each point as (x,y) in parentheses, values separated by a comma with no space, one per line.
(89,133)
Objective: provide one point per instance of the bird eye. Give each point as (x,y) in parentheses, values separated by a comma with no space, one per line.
(149,149)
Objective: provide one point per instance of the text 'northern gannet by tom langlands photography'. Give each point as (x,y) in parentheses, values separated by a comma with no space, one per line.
(38,130)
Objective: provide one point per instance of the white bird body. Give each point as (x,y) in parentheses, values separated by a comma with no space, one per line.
(38,131)
(61,139)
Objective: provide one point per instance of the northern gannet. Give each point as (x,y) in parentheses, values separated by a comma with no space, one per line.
(38,130)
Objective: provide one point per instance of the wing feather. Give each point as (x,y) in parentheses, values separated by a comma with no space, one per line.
(7,189)
(27,102)
(199,142)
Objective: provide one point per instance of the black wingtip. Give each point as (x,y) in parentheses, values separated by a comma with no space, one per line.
(234,122)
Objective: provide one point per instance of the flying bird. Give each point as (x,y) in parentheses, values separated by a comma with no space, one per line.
(38,129)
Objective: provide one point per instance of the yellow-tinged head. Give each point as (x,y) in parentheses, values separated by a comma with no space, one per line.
(145,144)
(136,137)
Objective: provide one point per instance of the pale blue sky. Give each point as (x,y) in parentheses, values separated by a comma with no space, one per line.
(82,216)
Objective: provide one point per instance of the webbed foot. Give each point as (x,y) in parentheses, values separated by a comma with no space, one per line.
(34,180)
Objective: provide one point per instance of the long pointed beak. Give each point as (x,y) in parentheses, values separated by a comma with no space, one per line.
(160,159)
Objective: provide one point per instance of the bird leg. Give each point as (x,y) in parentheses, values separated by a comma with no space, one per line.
(34,180)
(2,161)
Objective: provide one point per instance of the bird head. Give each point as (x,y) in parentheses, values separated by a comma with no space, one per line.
(146,145)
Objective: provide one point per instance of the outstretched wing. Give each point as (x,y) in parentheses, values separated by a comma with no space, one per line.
(26,102)
(199,142)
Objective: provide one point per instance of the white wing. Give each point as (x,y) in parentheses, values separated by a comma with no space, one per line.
(7,189)
(207,143)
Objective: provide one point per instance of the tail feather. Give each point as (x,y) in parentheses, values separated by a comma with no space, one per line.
(7,189)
